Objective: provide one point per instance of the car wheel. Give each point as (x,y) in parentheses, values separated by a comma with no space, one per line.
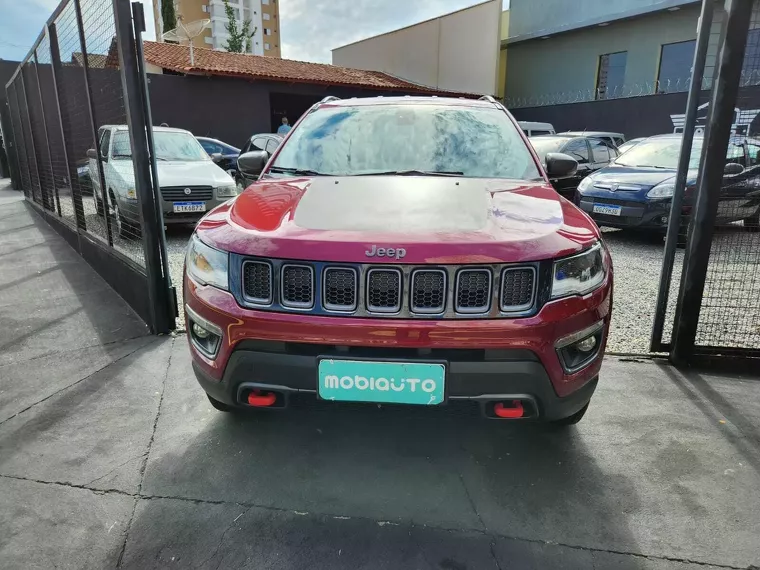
(124,229)
(571,420)
(753,222)
(221,406)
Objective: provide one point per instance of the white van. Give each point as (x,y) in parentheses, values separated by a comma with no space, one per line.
(532,129)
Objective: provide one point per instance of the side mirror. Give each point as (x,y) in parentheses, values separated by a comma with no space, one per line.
(560,165)
(217,157)
(732,168)
(252,163)
(93,154)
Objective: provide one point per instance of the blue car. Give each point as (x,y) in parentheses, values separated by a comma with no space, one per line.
(229,153)
(636,190)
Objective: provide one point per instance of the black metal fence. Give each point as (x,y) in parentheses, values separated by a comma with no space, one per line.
(79,116)
(710,304)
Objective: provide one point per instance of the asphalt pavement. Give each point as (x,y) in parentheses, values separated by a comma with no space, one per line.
(111,457)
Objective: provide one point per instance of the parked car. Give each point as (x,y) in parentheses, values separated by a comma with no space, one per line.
(615,139)
(591,154)
(628,145)
(637,189)
(229,153)
(533,129)
(354,270)
(266,142)
(191,183)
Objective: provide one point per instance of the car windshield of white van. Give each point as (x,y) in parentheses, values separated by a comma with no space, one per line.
(170,146)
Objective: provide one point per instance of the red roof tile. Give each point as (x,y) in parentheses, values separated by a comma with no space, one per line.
(212,62)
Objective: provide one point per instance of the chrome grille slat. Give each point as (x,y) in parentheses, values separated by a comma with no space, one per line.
(428,291)
(473,291)
(257,282)
(518,285)
(339,289)
(297,286)
(177,193)
(384,290)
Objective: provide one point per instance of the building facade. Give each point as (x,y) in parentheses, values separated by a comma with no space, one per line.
(457,52)
(263,14)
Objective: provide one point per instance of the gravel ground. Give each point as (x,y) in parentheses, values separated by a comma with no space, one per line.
(637,262)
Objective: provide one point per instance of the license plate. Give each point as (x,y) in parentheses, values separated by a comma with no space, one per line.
(607,209)
(189,207)
(382,382)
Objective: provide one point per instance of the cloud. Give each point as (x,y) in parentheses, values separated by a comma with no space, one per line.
(311,28)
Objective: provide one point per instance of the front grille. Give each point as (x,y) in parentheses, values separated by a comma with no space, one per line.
(384,290)
(339,289)
(428,291)
(179,194)
(297,286)
(257,282)
(473,293)
(517,286)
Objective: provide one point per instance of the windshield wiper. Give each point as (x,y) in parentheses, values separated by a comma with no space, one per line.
(298,171)
(413,173)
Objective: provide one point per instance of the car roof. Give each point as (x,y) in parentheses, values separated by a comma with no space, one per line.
(155,129)
(407,100)
(593,133)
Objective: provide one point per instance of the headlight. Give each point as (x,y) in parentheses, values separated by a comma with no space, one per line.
(663,190)
(132,194)
(579,274)
(207,265)
(229,191)
(585,183)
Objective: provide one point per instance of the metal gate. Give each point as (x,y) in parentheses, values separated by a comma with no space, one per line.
(80,122)
(710,306)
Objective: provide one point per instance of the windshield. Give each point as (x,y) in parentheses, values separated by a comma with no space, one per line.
(545,145)
(660,153)
(174,146)
(383,139)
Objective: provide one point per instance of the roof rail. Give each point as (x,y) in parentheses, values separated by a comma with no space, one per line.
(487,98)
(330,98)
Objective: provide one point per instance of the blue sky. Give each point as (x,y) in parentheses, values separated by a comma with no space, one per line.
(310,28)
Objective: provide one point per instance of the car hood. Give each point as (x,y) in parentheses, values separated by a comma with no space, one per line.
(646,177)
(435,219)
(194,173)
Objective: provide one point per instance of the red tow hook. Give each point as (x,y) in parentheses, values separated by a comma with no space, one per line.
(515,411)
(261,399)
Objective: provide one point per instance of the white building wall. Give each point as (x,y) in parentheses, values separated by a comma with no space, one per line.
(245,9)
(457,52)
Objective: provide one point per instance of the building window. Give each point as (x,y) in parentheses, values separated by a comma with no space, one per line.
(267,32)
(204,7)
(265,16)
(208,40)
(265,2)
(611,76)
(266,46)
(751,66)
(675,66)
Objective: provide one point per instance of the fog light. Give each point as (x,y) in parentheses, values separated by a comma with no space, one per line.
(587,344)
(199,331)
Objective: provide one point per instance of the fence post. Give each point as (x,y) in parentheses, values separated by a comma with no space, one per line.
(31,136)
(88,90)
(158,290)
(47,135)
(57,68)
(21,147)
(674,219)
(722,103)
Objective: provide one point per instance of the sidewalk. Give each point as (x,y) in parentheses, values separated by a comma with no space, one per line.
(110,456)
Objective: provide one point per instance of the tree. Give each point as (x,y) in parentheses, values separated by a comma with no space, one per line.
(168,15)
(239,40)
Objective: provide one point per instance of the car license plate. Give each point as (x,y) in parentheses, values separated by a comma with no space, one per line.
(189,207)
(382,382)
(607,209)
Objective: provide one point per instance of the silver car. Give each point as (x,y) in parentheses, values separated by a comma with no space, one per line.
(191,182)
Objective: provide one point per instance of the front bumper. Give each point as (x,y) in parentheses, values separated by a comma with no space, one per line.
(651,215)
(484,358)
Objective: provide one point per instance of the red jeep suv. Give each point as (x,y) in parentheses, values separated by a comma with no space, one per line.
(401,250)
